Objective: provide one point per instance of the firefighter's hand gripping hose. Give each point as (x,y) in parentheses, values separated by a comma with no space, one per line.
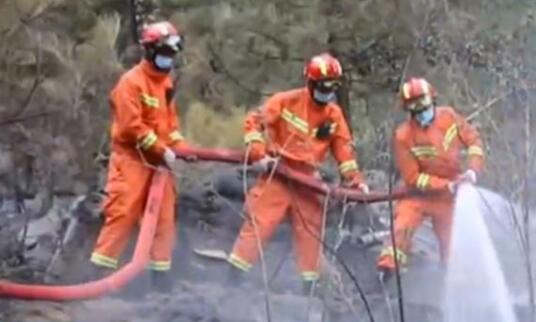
(141,254)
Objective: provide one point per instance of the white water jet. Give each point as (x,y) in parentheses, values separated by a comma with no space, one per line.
(476,290)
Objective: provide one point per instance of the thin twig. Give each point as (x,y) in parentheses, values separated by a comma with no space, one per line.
(37,79)
(525,205)
(232,77)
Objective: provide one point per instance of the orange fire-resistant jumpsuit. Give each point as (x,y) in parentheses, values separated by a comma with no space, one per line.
(430,158)
(287,126)
(144,124)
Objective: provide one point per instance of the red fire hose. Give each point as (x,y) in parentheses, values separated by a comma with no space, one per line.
(233,156)
(140,258)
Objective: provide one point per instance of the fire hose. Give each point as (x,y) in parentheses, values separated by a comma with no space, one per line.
(337,192)
(140,258)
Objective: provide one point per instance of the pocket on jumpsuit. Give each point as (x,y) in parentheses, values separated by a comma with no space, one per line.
(115,187)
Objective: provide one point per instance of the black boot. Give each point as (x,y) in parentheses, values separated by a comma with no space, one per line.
(235,277)
(161,282)
(308,288)
(98,272)
(385,275)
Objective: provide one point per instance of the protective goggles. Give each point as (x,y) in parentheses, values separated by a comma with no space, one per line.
(419,104)
(327,86)
(173,42)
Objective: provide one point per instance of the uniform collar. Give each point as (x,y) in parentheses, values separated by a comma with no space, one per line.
(149,70)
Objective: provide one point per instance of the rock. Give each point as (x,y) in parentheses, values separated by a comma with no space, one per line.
(48,225)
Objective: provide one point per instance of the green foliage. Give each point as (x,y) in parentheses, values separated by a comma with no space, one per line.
(62,57)
(208,128)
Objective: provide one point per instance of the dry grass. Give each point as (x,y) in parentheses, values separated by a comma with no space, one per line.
(208,128)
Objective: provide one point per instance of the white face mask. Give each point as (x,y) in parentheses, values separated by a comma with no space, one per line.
(324,97)
(426,117)
(163,62)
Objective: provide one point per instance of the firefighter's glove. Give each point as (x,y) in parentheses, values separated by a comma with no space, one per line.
(364,188)
(170,159)
(468,176)
(357,183)
(325,130)
(453,187)
(190,158)
(267,163)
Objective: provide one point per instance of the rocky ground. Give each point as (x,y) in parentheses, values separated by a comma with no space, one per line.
(209,221)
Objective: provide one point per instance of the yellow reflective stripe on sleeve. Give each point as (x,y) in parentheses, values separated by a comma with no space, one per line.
(390,251)
(475,150)
(148,141)
(105,261)
(150,101)
(406,94)
(450,135)
(348,166)
(424,151)
(176,136)
(239,262)
(297,122)
(310,276)
(160,266)
(422,181)
(253,136)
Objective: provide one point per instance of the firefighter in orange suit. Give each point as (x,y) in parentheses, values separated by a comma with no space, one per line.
(296,128)
(428,155)
(144,132)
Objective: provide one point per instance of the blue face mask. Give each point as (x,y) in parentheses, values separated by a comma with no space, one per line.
(426,117)
(324,98)
(163,62)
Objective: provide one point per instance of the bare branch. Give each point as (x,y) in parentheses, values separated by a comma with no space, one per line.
(37,79)
(232,77)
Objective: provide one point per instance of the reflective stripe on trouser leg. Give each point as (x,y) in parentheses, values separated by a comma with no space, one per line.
(268,203)
(390,252)
(238,262)
(309,276)
(103,261)
(160,266)
(122,207)
(164,239)
(307,231)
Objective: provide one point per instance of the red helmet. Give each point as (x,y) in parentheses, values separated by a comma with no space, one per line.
(417,94)
(161,34)
(323,67)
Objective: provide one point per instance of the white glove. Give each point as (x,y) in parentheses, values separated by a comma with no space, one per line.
(453,186)
(468,176)
(364,187)
(266,163)
(170,158)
